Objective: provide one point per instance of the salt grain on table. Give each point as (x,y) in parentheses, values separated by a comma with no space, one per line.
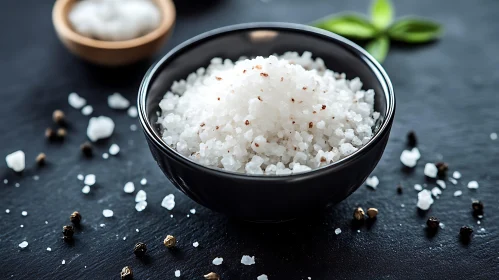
(21,226)
(143,181)
(23,244)
(132,112)
(114,149)
(168,202)
(17,185)
(80,177)
(100,128)
(141,205)
(193,211)
(105,155)
(85,189)
(217,261)
(141,196)
(107,213)
(49,249)
(16,161)
(430,170)
(5,181)
(418,187)
(424,200)
(410,158)
(137,230)
(102,225)
(24,213)
(63,262)
(493,136)
(473,185)
(456,175)
(262,277)
(195,244)
(89,180)
(76,101)
(87,110)
(453,181)
(441,183)
(337,231)
(133,127)
(7,211)
(129,187)
(247,260)
(372,182)
(117,101)
(177,273)
(458,193)
(436,192)
(124,238)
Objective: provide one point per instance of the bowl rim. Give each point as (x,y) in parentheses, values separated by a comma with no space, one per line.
(375,67)
(63,28)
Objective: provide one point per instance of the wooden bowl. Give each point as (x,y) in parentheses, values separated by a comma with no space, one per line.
(112,53)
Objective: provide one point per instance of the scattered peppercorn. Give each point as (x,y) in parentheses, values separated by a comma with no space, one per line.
(218,78)
(323,107)
(304,88)
(465,232)
(264,74)
(310,124)
(433,223)
(399,189)
(170,241)
(58,117)
(50,134)
(40,159)
(259,67)
(61,133)
(140,249)
(68,232)
(477,206)
(86,149)
(358,214)
(212,276)
(75,218)
(442,168)
(126,273)
(246,122)
(412,141)
(259,98)
(372,213)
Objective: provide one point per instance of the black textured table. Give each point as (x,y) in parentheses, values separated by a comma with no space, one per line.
(446,92)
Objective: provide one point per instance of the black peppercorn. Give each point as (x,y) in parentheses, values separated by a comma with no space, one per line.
(75,218)
(140,249)
(67,232)
(126,273)
(465,232)
(442,168)
(412,141)
(86,149)
(399,189)
(477,206)
(433,223)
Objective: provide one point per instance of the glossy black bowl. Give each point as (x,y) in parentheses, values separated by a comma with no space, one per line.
(258,197)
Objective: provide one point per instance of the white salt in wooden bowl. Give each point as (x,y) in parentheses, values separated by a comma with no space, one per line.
(113,53)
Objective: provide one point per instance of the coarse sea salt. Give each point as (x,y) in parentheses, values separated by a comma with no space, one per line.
(193,211)
(262,277)
(100,128)
(247,260)
(17,185)
(410,158)
(493,136)
(430,170)
(105,155)
(195,244)
(85,189)
(129,187)
(133,127)
(5,181)
(143,181)
(458,193)
(24,213)
(372,182)
(177,273)
(7,211)
(87,110)
(276,115)
(436,192)
(141,196)
(168,202)
(89,180)
(63,262)
(418,187)
(80,177)
(337,231)
(424,200)
(76,101)
(107,213)
(217,261)
(114,149)
(441,183)
(141,205)
(16,161)
(453,181)
(456,175)
(117,101)
(132,112)
(23,244)
(473,185)
(49,249)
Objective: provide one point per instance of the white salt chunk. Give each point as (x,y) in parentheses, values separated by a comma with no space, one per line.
(133,127)
(453,181)
(418,187)
(89,180)
(436,192)
(143,181)
(372,182)
(193,211)
(46,222)
(107,213)
(85,189)
(424,200)
(100,128)
(493,136)
(337,231)
(80,177)
(410,158)
(124,237)
(22,226)
(217,261)
(247,260)
(63,262)
(87,110)
(168,202)
(456,175)
(129,187)
(23,244)
(114,149)
(36,177)
(195,244)
(7,211)
(137,230)
(5,181)
(473,185)
(141,196)
(102,225)
(132,112)
(441,184)
(188,215)
(24,213)
(16,161)
(430,170)
(262,277)
(458,193)
(117,101)
(49,249)
(76,101)
(177,273)
(105,155)
(17,185)
(442,225)
(141,205)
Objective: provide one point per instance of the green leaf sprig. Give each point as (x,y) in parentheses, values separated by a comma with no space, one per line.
(381,28)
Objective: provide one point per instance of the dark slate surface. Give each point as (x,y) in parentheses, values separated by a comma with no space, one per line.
(446,91)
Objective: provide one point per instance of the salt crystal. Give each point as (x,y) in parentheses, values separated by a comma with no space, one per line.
(36,177)
(372,182)
(17,185)
(436,192)
(402,205)
(441,184)
(473,185)
(5,181)
(141,196)
(85,189)
(132,112)
(493,136)
(177,273)
(453,181)
(129,187)
(193,211)
(100,128)
(7,211)
(46,222)
(168,202)
(143,181)
(23,244)
(262,277)
(247,260)
(89,180)
(87,110)
(358,231)
(76,101)
(217,261)
(478,222)
(49,249)
(22,226)
(124,237)
(63,262)
(442,225)
(105,155)
(114,149)
(171,216)
(117,101)
(195,244)
(418,187)
(80,177)
(24,213)
(424,200)
(188,215)
(102,225)
(137,230)
(430,170)
(141,205)
(481,230)
(458,193)
(410,158)
(337,231)
(107,213)
(456,175)
(133,127)
(16,161)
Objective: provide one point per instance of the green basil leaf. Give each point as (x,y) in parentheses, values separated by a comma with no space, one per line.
(350,25)
(412,30)
(379,47)
(382,13)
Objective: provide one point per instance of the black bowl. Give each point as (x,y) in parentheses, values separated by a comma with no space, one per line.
(258,197)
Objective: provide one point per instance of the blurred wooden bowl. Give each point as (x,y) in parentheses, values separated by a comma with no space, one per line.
(112,53)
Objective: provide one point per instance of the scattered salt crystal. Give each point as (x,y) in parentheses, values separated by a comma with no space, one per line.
(372,182)
(141,196)
(5,181)
(262,277)
(114,149)
(473,185)
(442,225)
(7,211)
(22,226)
(453,181)
(137,230)
(16,161)
(247,260)
(102,225)
(17,185)
(456,175)
(124,237)
(458,193)
(46,222)
(105,155)
(358,231)
(441,183)
(85,189)
(410,158)
(479,216)
(436,192)
(23,244)
(168,202)
(143,181)
(430,170)
(63,262)
(217,261)
(402,205)
(87,110)
(195,244)
(478,222)
(337,231)
(49,249)
(107,213)
(129,187)
(89,180)
(141,205)
(171,216)
(193,211)
(24,213)
(80,177)
(76,101)
(117,101)
(36,177)
(133,127)
(132,112)
(177,273)
(418,187)
(424,200)
(493,136)
(481,230)
(100,128)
